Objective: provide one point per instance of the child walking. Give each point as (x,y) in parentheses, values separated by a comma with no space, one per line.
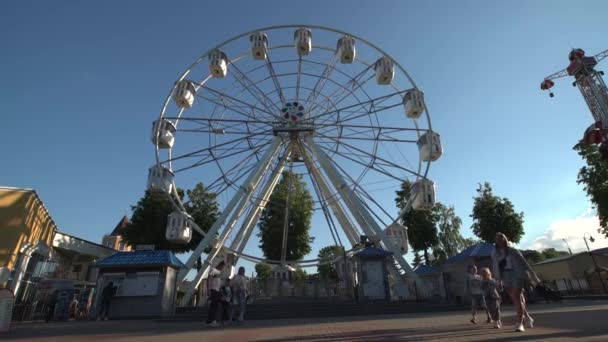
(473,288)
(226,300)
(489,287)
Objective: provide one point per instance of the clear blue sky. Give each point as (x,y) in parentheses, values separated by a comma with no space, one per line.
(81,82)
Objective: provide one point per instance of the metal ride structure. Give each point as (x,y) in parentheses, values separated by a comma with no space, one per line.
(336,111)
(591,85)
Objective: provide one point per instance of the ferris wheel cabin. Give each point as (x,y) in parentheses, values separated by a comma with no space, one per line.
(184,94)
(303,41)
(346,49)
(384,70)
(429,146)
(397,234)
(424,192)
(413,104)
(218,64)
(259,45)
(178,230)
(160,178)
(163,136)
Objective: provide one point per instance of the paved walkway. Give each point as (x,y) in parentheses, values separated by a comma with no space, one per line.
(569,321)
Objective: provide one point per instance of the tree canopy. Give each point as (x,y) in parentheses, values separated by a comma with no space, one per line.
(329,271)
(594,178)
(421,225)
(149,219)
(437,230)
(273,217)
(492,214)
(263,271)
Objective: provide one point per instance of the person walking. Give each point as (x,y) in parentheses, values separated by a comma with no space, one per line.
(214,284)
(240,284)
(226,301)
(491,296)
(472,287)
(106,297)
(513,273)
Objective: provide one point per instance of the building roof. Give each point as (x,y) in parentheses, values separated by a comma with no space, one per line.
(141,258)
(13,189)
(480,250)
(82,246)
(121,227)
(570,256)
(426,270)
(372,252)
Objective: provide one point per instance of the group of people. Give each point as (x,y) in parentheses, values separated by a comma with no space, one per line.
(510,273)
(228,300)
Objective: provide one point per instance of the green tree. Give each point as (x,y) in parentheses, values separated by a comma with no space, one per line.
(263,271)
(421,225)
(327,253)
(417,259)
(550,253)
(533,256)
(450,241)
(594,177)
(492,214)
(299,275)
(468,242)
(273,217)
(149,219)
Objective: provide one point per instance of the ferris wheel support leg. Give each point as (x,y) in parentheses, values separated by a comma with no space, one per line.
(240,241)
(345,223)
(356,207)
(242,198)
(243,191)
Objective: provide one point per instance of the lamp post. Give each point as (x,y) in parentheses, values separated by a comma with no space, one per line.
(567,244)
(597,269)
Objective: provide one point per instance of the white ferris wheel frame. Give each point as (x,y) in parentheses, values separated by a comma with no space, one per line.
(235,209)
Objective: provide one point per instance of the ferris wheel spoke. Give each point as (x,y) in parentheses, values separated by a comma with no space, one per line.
(231,152)
(375,165)
(234,99)
(274,77)
(357,136)
(254,90)
(232,107)
(321,81)
(353,82)
(299,77)
(203,150)
(362,104)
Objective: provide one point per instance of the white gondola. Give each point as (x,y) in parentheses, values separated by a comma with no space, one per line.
(429,146)
(384,70)
(259,45)
(184,94)
(160,178)
(424,192)
(397,234)
(413,104)
(178,229)
(164,135)
(218,63)
(346,49)
(303,41)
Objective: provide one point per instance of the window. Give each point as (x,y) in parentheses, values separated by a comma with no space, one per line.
(109,244)
(76,268)
(121,246)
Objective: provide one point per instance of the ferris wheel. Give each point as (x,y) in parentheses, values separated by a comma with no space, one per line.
(317,102)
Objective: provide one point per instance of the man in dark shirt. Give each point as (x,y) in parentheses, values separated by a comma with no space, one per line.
(106,297)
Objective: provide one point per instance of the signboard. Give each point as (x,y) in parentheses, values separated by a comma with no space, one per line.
(7,299)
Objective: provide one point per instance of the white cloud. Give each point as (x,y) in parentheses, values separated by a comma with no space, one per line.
(572,230)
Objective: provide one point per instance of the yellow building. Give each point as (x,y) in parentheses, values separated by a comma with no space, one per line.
(27,232)
(114,240)
(576,272)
